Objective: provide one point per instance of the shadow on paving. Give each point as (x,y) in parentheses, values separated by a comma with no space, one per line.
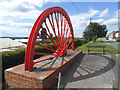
(85,70)
(50,65)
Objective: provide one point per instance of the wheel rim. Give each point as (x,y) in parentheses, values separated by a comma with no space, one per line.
(56,21)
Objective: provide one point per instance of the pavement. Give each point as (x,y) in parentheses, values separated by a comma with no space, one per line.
(95,70)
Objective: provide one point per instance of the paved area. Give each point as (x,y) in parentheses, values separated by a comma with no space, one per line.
(92,71)
(118,57)
(43,67)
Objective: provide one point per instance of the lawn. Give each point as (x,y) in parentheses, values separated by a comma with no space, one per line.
(109,48)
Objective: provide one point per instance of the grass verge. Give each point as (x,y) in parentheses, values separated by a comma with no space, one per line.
(109,48)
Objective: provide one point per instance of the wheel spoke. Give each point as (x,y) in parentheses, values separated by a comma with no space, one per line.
(65,42)
(57,21)
(42,53)
(44,59)
(51,23)
(58,14)
(61,17)
(64,27)
(54,29)
(64,38)
(67,31)
(68,36)
(44,47)
(51,38)
(45,42)
(69,47)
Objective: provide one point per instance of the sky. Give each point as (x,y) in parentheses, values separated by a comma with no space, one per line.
(17,17)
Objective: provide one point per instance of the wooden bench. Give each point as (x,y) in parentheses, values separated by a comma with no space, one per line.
(96,47)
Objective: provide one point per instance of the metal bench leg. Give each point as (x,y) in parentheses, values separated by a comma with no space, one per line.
(103,51)
(88,50)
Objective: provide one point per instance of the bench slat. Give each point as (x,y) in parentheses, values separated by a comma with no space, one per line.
(97,50)
(97,46)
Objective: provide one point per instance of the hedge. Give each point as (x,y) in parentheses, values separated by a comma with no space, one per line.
(13,58)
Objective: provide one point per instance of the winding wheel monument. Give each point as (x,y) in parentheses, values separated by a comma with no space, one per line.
(42,72)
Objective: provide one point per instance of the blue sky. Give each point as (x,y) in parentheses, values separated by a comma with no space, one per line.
(18,16)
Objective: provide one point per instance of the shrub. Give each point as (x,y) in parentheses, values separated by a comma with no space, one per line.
(99,41)
(79,42)
(12,58)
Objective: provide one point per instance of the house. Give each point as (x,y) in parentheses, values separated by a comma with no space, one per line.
(114,34)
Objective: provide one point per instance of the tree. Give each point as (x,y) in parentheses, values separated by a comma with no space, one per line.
(94,30)
(43,34)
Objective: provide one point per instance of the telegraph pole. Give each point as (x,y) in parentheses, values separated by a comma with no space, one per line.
(90,20)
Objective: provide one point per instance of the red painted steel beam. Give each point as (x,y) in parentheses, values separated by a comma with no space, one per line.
(61,44)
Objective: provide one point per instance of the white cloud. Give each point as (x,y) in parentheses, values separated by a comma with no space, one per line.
(14,32)
(17,10)
(13,15)
(3,22)
(104,13)
(86,15)
(117,14)
(24,25)
(55,1)
(12,10)
(100,21)
(21,4)
(22,9)
(12,23)
(111,22)
(80,21)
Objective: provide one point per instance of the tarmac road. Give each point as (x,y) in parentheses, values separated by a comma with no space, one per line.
(113,43)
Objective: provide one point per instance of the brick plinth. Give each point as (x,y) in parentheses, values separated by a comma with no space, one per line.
(45,74)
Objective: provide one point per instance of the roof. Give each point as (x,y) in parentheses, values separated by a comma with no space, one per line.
(25,40)
(21,40)
(8,43)
(115,32)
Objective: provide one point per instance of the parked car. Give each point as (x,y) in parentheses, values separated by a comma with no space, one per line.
(107,38)
(118,40)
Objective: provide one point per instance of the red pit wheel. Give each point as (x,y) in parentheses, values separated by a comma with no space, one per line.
(54,22)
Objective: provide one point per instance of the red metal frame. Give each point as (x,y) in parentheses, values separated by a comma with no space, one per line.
(64,36)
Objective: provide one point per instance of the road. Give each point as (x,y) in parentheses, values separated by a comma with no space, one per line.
(113,43)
